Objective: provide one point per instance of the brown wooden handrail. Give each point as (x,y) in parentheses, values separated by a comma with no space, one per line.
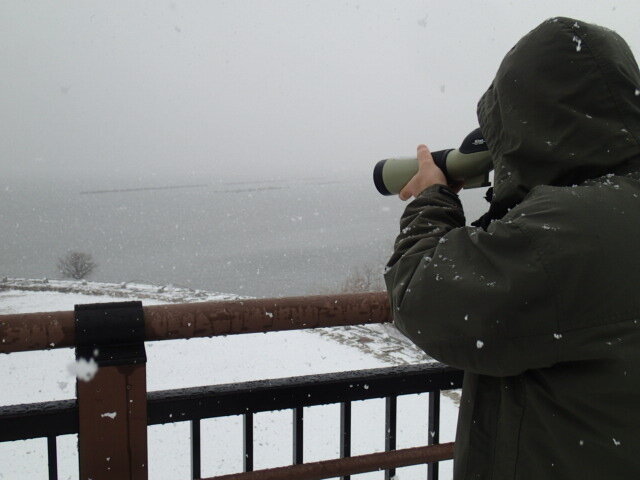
(350,466)
(44,331)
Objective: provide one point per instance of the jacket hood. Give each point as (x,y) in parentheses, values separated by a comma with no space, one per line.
(564,107)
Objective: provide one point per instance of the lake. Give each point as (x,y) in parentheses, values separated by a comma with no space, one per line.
(272,237)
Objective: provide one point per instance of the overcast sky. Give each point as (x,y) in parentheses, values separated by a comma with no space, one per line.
(267,89)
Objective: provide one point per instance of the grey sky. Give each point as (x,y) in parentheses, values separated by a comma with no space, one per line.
(263,88)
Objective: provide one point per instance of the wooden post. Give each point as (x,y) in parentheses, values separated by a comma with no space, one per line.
(112,405)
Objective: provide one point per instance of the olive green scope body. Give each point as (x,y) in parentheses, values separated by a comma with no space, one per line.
(470,164)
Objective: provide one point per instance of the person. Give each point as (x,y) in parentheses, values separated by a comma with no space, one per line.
(538,303)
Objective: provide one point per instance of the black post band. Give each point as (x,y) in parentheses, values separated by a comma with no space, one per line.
(110,333)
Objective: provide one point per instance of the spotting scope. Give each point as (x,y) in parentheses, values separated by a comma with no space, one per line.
(470,164)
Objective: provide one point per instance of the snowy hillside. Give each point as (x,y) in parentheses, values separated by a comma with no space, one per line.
(116,291)
(40,376)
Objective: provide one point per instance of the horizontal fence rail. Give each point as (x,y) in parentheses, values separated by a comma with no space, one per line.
(44,331)
(21,422)
(349,466)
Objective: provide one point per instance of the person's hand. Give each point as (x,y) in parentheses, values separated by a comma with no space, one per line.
(428,174)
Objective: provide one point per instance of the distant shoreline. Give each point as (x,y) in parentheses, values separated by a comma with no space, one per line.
(139,189)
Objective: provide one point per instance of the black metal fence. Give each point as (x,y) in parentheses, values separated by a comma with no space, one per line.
(113,334)
(51,419)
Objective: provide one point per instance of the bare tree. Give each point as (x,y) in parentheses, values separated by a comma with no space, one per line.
(76,265)
(362,280)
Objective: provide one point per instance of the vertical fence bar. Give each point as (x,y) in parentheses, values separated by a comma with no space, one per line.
(434,431)
(247,442)
(345,433)
(196,450)
(112,405)
(391,412)
(298,427)
(52,455)
(112,434)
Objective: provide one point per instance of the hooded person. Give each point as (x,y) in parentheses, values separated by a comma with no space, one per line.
(539,303)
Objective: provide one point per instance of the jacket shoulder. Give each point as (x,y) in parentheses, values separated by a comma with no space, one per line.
(586,238)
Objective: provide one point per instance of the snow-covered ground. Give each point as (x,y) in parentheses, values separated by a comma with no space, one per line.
(41,376)
(115,291)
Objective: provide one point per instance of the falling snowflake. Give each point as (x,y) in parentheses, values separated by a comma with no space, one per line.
(83,370)
(578,40)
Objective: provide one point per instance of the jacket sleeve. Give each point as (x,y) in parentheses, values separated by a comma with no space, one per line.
(473,299)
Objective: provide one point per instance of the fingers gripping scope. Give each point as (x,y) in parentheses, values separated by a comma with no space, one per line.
(471,164)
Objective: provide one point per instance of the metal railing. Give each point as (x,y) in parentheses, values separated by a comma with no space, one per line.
(125,381)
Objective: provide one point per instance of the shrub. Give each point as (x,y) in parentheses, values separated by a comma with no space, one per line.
(361,280)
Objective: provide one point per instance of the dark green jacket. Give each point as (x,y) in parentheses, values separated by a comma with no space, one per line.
(541,309)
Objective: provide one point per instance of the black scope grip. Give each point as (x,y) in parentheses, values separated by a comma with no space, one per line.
(440,159)
(473,143)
